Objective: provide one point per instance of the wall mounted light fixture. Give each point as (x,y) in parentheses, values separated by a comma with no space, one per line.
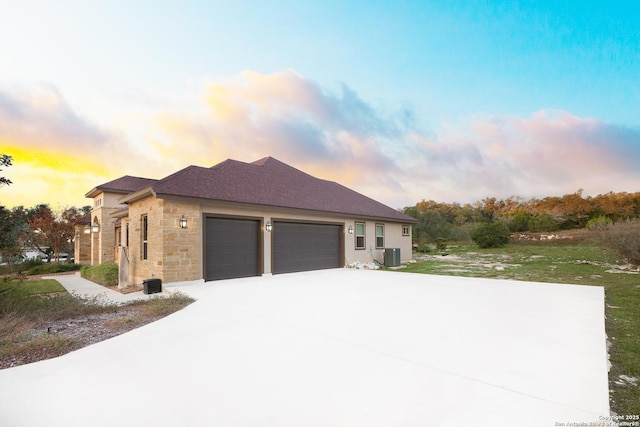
(183,222)
(350,230)
(87,229)
(268,227)
(95,227)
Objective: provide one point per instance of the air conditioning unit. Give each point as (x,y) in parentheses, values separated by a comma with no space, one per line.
(392,257)
(152,286)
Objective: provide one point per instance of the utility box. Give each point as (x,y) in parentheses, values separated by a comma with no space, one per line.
(152,286)
(392,257)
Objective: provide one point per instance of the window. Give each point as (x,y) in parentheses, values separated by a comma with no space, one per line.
(379,236)
(406,230)
(145,229)
(360,243)
(126,241)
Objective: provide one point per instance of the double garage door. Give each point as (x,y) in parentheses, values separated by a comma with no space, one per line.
(232,247)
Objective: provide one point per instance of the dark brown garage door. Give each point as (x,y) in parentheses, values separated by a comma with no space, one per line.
(231,249)
(302,247)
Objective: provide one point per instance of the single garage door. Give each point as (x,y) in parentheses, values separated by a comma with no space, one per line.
(302,246)
(231,249)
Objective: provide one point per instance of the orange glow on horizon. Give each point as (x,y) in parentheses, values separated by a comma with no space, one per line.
(49,176)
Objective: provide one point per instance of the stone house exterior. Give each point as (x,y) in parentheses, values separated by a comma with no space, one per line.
(82,242)
(238,219)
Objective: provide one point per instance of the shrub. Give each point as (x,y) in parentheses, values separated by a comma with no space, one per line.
(623,238)
(425,249)
(54,267)
(441,244)
(105,274)
(491,235)
(543,222)
(599,223)
(519,221)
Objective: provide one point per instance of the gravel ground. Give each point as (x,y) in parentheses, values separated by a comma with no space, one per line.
(78,332)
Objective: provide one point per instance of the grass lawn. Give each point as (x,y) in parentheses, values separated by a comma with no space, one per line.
(40,320)
(572,261)
(33,287)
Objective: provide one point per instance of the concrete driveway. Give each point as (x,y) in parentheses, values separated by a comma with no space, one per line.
(336,348)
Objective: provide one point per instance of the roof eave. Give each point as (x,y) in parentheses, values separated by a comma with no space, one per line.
(120,213)
(140,194)
(354,215)
(98,190)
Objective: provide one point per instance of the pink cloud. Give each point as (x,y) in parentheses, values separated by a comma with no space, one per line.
(550,153)
(334,134)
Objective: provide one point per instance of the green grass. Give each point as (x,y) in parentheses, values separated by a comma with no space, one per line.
(104,274)
(579,262)
(31,287)
(54,267)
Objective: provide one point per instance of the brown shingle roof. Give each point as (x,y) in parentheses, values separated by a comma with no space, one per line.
(126,184)
(270,182)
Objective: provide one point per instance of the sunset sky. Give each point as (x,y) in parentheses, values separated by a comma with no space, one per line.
(401,101)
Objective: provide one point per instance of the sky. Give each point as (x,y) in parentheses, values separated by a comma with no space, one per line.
(451,101)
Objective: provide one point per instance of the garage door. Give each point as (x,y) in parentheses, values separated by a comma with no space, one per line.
(231,249)
(302,247)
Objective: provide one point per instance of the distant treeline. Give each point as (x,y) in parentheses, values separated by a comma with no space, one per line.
(452,221)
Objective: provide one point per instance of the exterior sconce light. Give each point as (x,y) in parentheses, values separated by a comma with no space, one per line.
(87,229)
(95,227)
(183,222)
(269,227)
(350,230)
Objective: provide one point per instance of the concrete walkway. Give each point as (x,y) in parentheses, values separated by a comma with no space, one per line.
(86,289)
(336,348)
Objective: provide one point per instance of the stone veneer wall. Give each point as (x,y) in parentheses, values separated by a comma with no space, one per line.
(182,251)
(152,267)
(173,254)
(103,243)
(82,246)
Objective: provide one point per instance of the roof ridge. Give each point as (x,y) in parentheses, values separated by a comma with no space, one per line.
(263,161)
(271,182)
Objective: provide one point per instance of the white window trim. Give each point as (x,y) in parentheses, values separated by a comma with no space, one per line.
(364,236)
(377,246)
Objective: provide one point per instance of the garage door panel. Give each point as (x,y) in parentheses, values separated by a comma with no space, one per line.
(302,247)
(231,248)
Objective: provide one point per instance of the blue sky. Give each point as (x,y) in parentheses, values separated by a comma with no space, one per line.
(402,101)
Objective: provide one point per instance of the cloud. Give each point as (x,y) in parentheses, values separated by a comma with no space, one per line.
(40,117)
(332,134)
(550,153)
(57,155)
(337,135)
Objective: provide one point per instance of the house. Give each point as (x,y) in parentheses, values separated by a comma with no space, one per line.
(238,219)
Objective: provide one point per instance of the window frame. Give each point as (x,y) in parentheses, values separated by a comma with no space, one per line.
(363,235)
(379,227)
(144,234)
(408,230)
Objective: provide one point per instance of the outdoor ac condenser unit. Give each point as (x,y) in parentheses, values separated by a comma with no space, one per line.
(392,257)
(152,286)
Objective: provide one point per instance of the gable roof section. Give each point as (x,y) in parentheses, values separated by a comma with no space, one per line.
(272,183)
(124,185)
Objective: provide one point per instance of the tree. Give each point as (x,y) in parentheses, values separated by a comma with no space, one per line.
(13,232)
(5,160)
(52,233)
(576,209)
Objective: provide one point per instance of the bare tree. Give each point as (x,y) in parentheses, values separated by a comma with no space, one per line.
(5,160)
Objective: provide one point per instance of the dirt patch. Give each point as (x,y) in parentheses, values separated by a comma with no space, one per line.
(127,290)
(55,338)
